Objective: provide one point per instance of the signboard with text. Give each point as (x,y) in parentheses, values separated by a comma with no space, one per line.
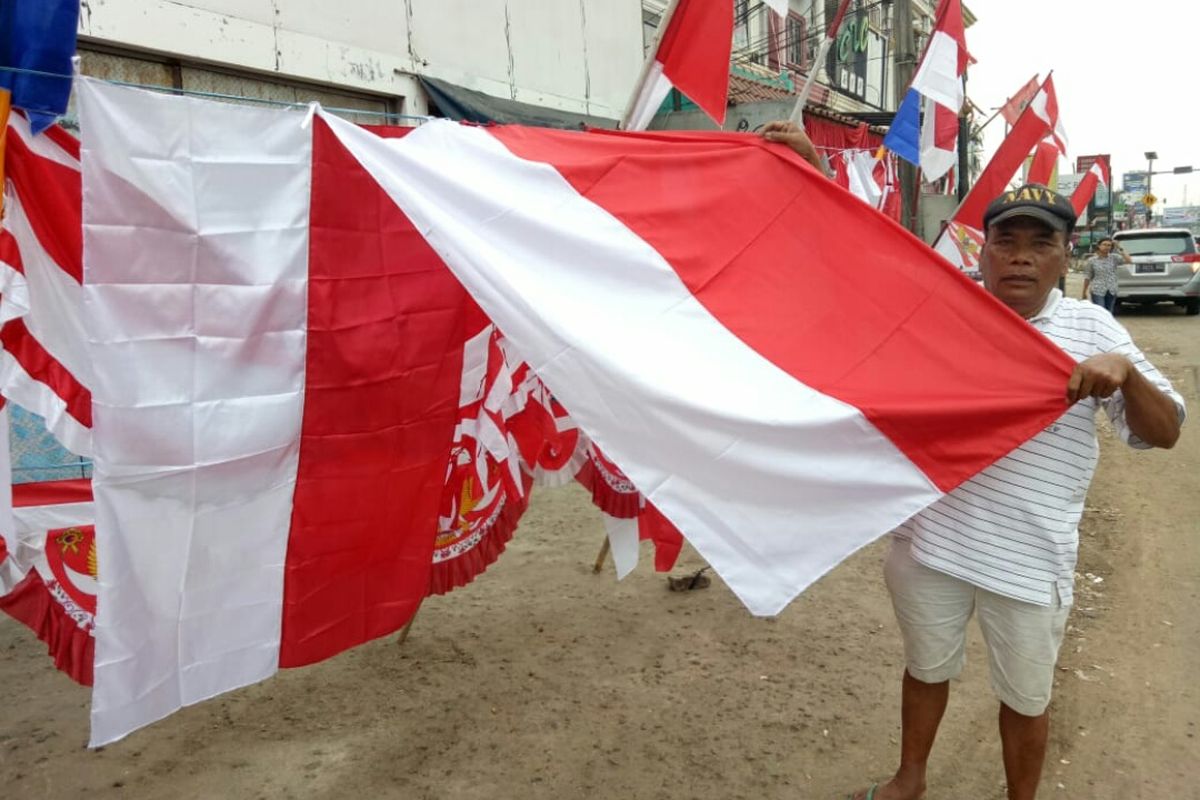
(856,59)
(1181,216)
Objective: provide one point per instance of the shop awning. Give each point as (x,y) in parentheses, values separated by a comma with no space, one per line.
(456,102)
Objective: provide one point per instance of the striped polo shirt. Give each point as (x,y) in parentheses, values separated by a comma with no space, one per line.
(1013,529)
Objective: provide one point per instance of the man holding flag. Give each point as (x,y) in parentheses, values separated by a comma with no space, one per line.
(1004,543)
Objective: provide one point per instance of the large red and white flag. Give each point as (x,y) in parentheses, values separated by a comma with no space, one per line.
(692,55)
(1096,175)
(781,373)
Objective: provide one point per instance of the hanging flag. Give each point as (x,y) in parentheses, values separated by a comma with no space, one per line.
(48,569)
(38,36)
(937,90)
(1097,174)
(44,363)
(692,54)
(270,442)
(1012,109)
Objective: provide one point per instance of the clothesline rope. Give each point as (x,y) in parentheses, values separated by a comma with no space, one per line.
(222,96)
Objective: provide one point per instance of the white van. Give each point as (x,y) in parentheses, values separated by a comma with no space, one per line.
(1165,268)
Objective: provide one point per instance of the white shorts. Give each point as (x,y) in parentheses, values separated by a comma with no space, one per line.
(933,609)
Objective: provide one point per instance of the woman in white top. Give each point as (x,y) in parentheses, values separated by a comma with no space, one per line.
(1100,273)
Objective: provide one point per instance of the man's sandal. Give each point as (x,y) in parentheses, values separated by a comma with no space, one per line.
(870,795)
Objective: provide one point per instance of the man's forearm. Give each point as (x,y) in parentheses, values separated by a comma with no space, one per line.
(1152,415)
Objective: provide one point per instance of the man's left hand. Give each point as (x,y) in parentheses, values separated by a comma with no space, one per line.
(793,136)
(1098,377)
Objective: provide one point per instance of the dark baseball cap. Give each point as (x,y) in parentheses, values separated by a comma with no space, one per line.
(1032,200)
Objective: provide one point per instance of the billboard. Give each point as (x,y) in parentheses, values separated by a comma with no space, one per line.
(1181,216)
(1133,185)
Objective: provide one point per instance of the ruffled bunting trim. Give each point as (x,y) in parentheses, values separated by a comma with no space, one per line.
(446,576)
(552,479)
(622,505)
(72,648)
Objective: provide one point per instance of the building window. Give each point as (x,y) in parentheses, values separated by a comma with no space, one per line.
(741,24)
(796,38)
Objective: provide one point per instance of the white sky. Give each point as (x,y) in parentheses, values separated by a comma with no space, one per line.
(1125,74)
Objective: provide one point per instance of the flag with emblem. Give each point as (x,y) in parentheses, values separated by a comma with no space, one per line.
(49,570)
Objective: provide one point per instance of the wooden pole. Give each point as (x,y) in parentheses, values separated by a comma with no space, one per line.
(823,51)
(906,60)
(603,555)
(407,627)
(648,62)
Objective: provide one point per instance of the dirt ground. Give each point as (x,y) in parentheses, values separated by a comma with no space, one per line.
(542,680)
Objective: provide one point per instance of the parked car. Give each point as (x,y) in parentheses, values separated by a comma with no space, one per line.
(1165,268)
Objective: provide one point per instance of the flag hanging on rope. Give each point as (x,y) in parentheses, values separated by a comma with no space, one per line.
(37,43)
(48,569)
(45,244)
(692,55)
(925,131)
(271,441)
(44,363)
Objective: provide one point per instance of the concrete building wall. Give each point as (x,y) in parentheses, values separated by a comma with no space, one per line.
(580,56)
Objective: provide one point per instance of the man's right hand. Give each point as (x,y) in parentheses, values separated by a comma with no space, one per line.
(793,136)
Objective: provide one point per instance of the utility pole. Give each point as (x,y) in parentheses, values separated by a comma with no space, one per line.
(906,60)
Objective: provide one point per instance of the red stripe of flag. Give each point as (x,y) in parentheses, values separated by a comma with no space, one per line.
(51,195)
(765,264)
(372,453)
(45,368)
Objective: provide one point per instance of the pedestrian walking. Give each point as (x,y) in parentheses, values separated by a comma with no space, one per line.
(1100,278)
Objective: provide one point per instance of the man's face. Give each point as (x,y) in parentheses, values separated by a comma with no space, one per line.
(1022,261)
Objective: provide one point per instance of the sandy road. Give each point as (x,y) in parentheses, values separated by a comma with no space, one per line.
(543,681)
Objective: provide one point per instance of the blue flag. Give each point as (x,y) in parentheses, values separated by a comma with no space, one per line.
(904,136)
(38,35)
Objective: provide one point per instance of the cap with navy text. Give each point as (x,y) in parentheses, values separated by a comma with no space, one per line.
(1032,200)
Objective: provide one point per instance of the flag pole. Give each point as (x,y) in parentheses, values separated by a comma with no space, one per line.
(5,108)
(963,200)
(647,63)
(797,115)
